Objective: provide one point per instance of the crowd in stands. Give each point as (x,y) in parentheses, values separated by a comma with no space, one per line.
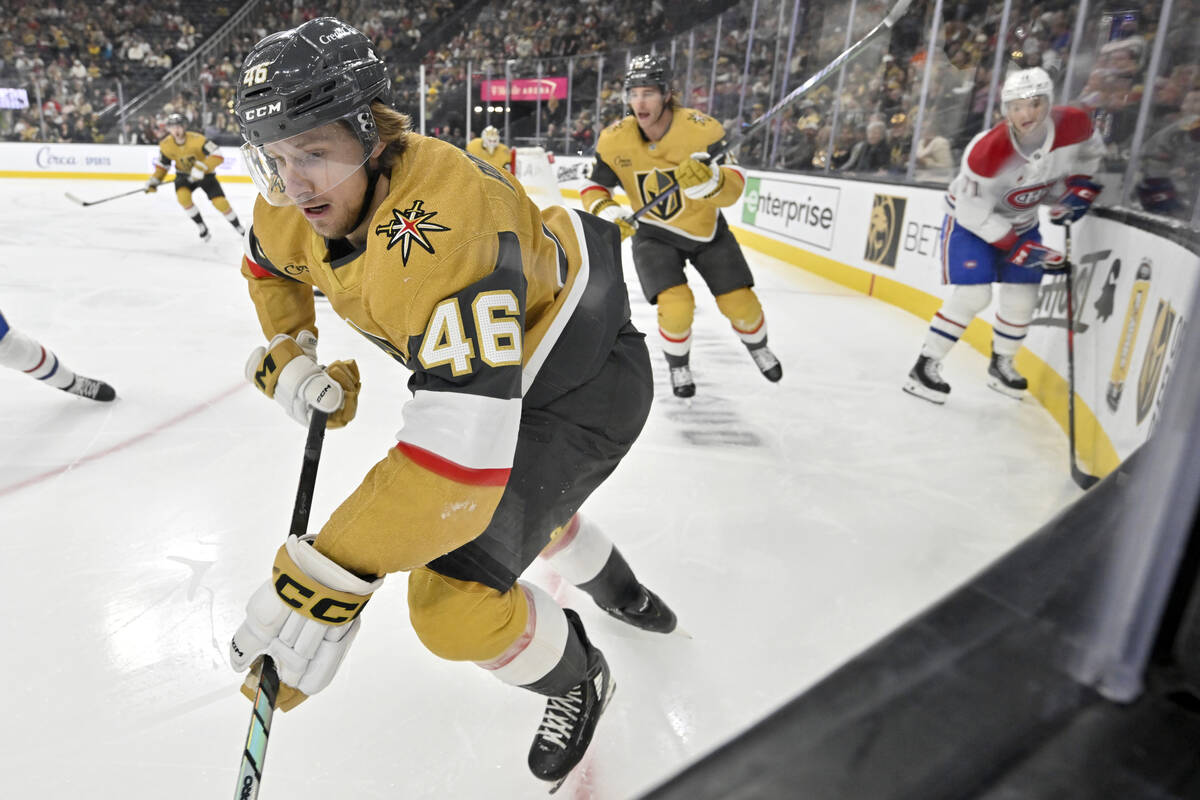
(862,121)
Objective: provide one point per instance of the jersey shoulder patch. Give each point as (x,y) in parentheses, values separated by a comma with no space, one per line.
(1071,126)
(990,153)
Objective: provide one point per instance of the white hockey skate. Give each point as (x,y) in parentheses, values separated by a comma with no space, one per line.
(1004,378)
(925,381)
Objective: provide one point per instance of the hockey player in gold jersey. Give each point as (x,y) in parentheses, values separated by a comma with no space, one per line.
(529,385)
(487,147)
(196,160)
(659,144)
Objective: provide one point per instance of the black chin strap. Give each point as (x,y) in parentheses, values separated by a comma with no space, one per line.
(373,174)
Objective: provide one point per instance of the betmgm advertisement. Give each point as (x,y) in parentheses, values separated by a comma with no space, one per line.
(802,212)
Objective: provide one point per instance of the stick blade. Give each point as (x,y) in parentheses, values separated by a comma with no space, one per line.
(74,199)
(1081,478)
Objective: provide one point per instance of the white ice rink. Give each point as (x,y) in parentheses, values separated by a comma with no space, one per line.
(789,525)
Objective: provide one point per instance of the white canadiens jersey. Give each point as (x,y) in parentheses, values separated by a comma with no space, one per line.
(998,188)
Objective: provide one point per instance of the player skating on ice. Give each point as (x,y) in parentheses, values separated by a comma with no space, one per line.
(529,384)
(196,160)
(24,354)
(647,152)
(990,232)
(487,147)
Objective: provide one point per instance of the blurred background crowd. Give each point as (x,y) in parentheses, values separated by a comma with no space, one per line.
(902,110)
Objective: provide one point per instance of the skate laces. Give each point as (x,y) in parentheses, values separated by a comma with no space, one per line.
(561,715)
(764,358)
(681,376)
(84,387)
(1004,365)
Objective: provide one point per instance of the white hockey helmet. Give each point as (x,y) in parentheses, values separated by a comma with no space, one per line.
(490,137)
(1024,84)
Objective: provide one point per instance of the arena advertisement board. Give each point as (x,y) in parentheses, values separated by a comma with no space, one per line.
(30,159)
(805,212)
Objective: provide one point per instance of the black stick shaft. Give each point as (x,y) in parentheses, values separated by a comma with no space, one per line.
(255,752)
(1082,478)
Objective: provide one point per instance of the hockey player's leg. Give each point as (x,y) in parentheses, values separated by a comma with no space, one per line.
(1015,311)
(745,314)
(585,557)
(525,639)
(184,195)
(37,361)
(945,329)
(676,310)
(222,204)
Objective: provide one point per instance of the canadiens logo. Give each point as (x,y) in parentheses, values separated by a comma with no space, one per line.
(1027,196)
(408,227)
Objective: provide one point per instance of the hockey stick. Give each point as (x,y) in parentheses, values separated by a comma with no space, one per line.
(1084,480)
(254,754)
(85,203)
(898,10)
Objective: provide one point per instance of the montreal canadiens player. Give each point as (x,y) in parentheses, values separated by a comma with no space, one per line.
(990,232)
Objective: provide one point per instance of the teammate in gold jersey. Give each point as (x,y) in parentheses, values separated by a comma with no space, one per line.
(196,161)
(660,144)
(487,147)
(529,385)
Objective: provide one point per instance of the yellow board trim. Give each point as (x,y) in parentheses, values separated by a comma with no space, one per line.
(1093,445)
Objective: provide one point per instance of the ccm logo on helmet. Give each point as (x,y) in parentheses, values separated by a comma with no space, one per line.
(1027,196)
(263,111)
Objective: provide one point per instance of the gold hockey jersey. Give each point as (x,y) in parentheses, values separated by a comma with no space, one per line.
(646,169)
(493,306)
(196,149)
(501,157)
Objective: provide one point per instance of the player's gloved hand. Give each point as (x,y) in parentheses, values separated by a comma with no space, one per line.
(1076,201)
(1158,195)
(610,210)
(698,179)
(152,184)
(197,174)
(1032,255)
(305,618)
(286,370)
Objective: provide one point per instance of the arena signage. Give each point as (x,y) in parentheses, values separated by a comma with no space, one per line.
(525,89)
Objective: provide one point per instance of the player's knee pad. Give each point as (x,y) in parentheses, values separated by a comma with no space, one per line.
(966,301)
(547,655)
(1014,311)
(184,196)
(1016,301)
(221,204)
(744,312)
(464,620)
(676,309)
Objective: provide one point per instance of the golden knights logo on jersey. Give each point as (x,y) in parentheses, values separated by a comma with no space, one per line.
(408,227)
(653,183)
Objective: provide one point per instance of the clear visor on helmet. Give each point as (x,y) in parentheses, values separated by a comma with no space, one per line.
(301,168)
(642,89)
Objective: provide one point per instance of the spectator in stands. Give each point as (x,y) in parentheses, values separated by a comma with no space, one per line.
(935,162)
(1171,162)
(872,154)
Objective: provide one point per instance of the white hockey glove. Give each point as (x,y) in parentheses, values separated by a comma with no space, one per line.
(610,210)
(152,184)
(698,179)
(305,618)
(287,371)
(197,174)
